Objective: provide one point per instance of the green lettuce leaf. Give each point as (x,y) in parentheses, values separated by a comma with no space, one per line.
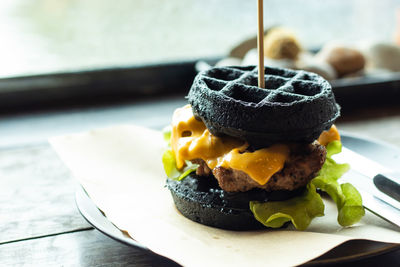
(170,169)
(300,210)
(348,200)
(303,209)
(167,134)
(169,161)
(352,210)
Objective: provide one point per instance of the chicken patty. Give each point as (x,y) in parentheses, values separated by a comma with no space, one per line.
(303,164)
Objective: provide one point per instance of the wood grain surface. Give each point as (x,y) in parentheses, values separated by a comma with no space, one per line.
(85,248)
(37,195)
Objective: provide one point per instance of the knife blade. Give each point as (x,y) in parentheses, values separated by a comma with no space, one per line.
(378,185)
(388,185)
(377,173)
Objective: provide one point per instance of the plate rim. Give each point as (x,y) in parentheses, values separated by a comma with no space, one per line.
(86,207)
(99,221)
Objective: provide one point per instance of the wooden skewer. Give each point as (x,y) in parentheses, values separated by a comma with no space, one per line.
(260,44)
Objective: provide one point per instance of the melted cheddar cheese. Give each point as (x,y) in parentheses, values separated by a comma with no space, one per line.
(190,139)
(328,136)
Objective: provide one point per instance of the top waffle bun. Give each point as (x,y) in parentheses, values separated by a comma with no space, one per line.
(295,106)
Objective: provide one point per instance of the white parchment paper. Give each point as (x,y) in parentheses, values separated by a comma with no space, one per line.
(120,168)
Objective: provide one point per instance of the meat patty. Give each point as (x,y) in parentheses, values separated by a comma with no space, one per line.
(304,162)
(203,169)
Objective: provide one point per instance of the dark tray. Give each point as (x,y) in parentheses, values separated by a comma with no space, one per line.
(158,80)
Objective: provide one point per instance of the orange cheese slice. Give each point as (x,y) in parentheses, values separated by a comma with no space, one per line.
(190,139)
(328,136)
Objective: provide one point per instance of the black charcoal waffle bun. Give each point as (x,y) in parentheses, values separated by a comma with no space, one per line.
(295,106)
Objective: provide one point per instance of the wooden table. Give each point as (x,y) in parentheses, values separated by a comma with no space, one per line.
(40,224)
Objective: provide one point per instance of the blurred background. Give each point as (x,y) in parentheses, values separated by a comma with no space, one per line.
(41,36)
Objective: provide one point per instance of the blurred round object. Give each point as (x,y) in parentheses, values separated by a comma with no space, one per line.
(321,68)
(281,43)
(280,63)
(370,72)
(383,56)
(344,60)
(202,66)
(241,49)
(251,58)
(309,62)
(229,61)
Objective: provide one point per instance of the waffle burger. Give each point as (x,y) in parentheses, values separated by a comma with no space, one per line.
(242,157)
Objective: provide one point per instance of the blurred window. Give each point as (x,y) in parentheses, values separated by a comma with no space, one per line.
(39,36)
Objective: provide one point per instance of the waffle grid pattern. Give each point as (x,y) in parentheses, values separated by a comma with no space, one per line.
(295,106)
(282,86)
